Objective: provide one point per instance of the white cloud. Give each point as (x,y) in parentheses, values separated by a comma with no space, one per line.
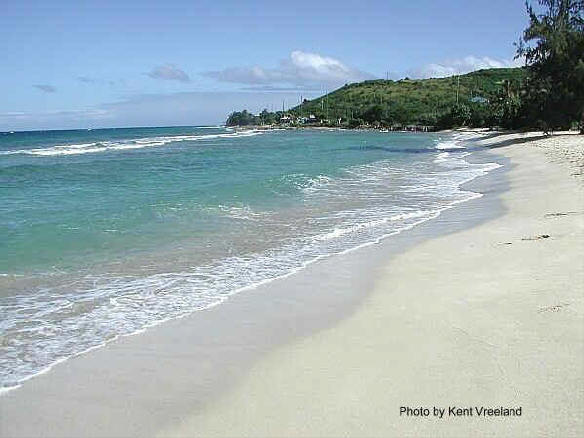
(460,66)
(169,72)
(300,69)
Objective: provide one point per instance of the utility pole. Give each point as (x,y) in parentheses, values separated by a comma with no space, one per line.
(327,105)
(457,88)
(301,100)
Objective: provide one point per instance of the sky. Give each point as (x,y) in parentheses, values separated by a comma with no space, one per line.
(88,64)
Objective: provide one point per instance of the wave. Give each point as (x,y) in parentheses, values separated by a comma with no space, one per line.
(449,145)
(457,140)
(103,308)
(138,143)
(45,328)
(339,232)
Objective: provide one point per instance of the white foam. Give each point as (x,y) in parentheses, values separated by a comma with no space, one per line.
(457,140)
(122,145)
(338,232)
(102,308)
(449,145)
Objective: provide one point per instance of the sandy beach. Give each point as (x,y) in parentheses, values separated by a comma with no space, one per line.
(491,316)
(486,313)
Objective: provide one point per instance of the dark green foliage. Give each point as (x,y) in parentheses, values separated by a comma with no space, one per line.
(354,123)
(459,115)
(507,112)
(427,102)
(484,99)
(553,46)
(267,118)
(374,113)
(241,118)
(481,114)
(245,118)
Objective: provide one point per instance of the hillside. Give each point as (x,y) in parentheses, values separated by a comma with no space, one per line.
(425,101)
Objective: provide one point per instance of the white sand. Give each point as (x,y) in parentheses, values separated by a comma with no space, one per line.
(490,316)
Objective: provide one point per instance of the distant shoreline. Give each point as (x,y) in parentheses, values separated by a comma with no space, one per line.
(499,130)
(319,128)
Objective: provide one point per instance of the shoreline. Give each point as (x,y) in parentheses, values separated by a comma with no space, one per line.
(496,321)
(376,240)
(134,397)
(483,130)
(290,312)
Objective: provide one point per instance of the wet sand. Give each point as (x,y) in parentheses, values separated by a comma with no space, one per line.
(490,316)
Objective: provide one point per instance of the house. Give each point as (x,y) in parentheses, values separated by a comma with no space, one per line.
(479,99)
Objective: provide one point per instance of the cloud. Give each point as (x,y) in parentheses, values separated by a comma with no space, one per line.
(300,69)
(460,66)
(169,72)
(86,79)
(45,87)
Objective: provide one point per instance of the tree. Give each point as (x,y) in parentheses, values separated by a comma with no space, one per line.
(506,107)
(373,114)
(266,117)
(242,118)
(459,115)
(553,47)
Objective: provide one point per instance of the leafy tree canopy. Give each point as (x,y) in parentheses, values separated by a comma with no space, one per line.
(553,47)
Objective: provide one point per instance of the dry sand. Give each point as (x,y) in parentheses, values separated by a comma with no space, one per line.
(490,316)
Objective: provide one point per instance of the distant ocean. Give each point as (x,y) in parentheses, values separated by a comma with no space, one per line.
(107,232)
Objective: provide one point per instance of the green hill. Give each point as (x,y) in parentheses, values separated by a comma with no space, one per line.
(420,102)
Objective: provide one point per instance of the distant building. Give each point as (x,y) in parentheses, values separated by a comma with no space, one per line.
(310,120)
(479,99)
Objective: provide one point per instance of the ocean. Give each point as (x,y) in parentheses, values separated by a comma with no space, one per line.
(106,232)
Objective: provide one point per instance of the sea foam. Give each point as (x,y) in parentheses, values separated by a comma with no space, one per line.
(387,197)
(122,145)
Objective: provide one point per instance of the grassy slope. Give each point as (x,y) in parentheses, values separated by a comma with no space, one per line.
(411,101)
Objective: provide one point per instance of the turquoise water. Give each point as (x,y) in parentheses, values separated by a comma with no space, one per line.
(106,232)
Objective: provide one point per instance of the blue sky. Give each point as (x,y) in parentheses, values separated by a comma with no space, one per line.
(79,64)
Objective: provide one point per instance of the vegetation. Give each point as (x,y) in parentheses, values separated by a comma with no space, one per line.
(547,94)
(429,102)
(440,102)
(554,90)
(243,118)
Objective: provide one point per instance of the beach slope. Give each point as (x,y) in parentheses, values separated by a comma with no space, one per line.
(491,316)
